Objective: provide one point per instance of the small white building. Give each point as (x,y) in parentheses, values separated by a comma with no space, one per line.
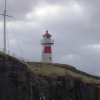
(47,50)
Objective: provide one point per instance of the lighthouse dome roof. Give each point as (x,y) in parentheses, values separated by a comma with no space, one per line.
(47,34)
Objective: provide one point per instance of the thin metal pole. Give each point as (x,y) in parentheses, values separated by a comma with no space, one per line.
(5,28)
(31,91)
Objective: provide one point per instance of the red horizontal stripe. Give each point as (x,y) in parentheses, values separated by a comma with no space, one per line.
(47,50)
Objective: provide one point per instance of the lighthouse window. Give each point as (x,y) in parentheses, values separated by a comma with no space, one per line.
(50,58)
(48,36)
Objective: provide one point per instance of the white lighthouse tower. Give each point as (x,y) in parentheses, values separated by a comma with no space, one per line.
(47,50)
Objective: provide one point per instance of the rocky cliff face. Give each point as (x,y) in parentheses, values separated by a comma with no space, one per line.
(63,88)
(13,80)
(18,83)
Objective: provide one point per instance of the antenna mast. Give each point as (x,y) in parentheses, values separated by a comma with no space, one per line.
(5,27)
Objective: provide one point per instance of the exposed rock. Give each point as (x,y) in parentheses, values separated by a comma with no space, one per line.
(13,80)
(18,83)
(64,88)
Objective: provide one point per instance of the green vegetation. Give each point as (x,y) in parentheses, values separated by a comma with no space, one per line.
(59,70)
(45,69)
(62,70)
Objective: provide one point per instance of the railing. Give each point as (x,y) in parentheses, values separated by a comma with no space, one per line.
(47,41)
(15,56)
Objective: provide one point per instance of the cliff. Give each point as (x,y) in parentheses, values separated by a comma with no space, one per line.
(37,81)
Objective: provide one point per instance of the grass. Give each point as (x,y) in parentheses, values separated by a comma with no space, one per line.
(1,53)
(60,70)
(8,55)
(52,69)
(45,69)
(84,78)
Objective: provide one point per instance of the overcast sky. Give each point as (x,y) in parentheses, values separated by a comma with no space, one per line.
(74,25)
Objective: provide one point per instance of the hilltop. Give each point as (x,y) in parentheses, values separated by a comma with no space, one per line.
(20,80)
(48,69)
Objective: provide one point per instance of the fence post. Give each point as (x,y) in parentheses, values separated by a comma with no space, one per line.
(14,55)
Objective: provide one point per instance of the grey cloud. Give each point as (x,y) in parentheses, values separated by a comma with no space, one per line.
(72,33)
(19,8)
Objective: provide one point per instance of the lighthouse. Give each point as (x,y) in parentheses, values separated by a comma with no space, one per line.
(47,42)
